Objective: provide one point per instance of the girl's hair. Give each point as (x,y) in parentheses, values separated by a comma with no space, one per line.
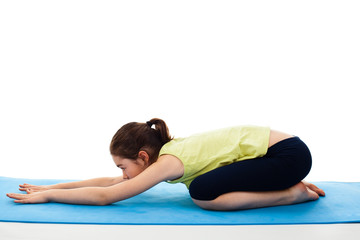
(134,137)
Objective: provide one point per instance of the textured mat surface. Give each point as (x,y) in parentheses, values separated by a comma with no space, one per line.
(168,204)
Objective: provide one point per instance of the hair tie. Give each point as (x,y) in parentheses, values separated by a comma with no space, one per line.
(149,123)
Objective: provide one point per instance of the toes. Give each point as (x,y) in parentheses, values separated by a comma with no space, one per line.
(314,188)
(321,192)
(312,194)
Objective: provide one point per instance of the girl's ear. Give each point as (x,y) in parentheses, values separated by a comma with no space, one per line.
(143,158)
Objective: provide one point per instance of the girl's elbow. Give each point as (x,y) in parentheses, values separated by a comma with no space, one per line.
(107,198)
(103,199)
(102,203)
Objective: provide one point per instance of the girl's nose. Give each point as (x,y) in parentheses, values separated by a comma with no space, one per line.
(125,176)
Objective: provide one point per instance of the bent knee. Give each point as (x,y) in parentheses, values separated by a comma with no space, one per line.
(200,190)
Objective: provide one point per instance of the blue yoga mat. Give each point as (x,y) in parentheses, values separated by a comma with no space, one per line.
(168,204)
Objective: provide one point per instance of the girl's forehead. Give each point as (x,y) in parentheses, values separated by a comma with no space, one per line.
(120,160)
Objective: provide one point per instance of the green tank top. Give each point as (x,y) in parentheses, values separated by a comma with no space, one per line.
(204,152)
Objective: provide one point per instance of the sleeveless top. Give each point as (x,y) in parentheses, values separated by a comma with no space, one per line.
(207,151)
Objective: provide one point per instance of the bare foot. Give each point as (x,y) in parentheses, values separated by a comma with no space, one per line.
(314,188)
(302,193)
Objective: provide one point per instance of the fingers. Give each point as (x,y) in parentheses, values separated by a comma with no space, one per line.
(23,189)
(21,201)
(26,198)
(25,185)
(30,188)
(32,195)
(17,196)
(20,198)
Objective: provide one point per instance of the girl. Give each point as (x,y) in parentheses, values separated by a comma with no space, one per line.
(229,169)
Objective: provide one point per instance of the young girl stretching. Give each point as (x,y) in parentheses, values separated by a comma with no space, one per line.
(229,169)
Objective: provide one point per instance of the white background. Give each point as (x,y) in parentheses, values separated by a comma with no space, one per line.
(73,72)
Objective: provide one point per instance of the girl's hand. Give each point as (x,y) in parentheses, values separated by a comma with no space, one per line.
(28,188)
(37,197)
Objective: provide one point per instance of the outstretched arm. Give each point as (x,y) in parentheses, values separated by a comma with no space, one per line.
(95,182)
(165,168)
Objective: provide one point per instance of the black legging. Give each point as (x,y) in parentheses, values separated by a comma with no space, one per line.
(285,164)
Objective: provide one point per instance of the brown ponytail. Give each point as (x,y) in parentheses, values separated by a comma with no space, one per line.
(161,128)
(134,137)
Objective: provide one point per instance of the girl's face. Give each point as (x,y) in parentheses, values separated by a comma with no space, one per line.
(130,168)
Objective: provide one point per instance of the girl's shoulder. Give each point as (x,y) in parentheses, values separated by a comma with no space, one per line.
(172,165)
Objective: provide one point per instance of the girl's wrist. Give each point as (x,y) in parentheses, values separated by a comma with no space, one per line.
(57,186)
(48,195)
(49,187)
